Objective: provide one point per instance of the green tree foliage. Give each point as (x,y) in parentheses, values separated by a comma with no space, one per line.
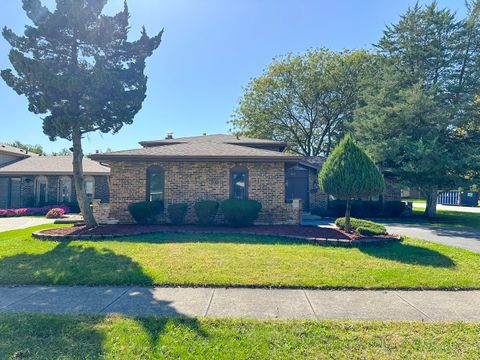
(349,173)
(418,117)
(62,152)
(37,149)
(304,100)
(76,66)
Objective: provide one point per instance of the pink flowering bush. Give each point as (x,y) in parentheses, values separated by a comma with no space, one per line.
(36,211)
(55,213)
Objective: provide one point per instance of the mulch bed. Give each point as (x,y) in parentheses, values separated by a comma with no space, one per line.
(311,233)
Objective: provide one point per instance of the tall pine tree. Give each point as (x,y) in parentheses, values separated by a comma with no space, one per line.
(76,66)
(418,116)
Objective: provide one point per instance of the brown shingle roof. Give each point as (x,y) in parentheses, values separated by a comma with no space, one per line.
(8,149)
(206,150)
(52,165)
(215,138)
(314,161)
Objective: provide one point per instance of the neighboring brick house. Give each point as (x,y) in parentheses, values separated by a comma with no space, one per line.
(214,167)
(28,179)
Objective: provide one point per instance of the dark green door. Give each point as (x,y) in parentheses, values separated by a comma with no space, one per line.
(296,185)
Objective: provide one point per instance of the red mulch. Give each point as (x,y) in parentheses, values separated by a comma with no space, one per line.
(285,230)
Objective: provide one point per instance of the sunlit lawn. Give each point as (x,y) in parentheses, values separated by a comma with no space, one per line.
(233,260)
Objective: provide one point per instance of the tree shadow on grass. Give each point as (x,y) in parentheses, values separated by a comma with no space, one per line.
(52,336)
(69,264)
(80,336)
(408,254)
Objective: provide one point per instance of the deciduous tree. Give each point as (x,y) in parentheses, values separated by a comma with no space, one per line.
(303,100)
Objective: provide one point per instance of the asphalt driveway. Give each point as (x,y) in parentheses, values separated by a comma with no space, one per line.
(464,238)
(454,236)
(15,223)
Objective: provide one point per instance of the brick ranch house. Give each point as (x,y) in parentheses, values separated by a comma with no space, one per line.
(213,167)
(28,179)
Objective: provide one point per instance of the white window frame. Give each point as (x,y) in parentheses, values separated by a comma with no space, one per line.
(38,181)
(92,180)
(60,188)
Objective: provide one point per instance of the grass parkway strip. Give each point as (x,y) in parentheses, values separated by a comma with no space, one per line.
(36,336)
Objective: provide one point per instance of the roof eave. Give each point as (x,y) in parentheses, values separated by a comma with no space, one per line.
(106,157)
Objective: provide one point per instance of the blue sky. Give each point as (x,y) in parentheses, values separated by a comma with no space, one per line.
(210,49)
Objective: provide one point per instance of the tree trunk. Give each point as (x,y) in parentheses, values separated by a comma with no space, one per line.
(348,227)
(78,179)
(431,208)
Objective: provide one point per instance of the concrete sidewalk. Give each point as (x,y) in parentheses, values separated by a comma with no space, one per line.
(246,303)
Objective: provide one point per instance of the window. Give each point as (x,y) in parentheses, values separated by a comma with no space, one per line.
(65,189)
(90,187)
(155,183)
(41,190)
(239,183)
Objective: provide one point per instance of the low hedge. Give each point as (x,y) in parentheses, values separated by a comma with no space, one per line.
(394,208)
(363,209)
(145,212)
(362,227)
(206,211)
(177,213)
(241,212)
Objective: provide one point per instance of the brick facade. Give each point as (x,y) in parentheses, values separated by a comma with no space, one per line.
(188,182)
(318,199)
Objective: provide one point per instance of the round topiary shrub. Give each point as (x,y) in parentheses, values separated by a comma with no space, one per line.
(206,211)
(241,212)
(177,213)
(145,212)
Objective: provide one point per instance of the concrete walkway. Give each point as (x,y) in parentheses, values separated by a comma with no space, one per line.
(15,223)
(246,303)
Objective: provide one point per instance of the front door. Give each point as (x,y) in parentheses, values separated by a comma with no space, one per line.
(296,185)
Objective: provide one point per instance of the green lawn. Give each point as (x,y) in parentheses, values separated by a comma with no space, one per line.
(237,260)
(120,337)
(443,218)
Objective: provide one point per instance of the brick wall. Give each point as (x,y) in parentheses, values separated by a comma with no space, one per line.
(318,199)
(392,190)
(192,181)
(101,211)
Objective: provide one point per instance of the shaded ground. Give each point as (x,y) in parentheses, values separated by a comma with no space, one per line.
(464,238)
(461,237)
(126,230)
